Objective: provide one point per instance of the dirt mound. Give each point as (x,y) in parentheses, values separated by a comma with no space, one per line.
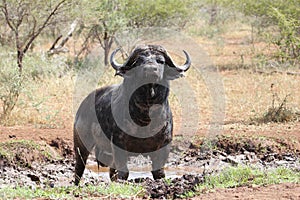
(170,188)
(62,146)
(259,145)
(23,153)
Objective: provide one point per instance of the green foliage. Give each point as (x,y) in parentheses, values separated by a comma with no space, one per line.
(288,38)
(231,177)
(165,13)
(24,22)
(27,18)
(245,176)
(124,190)
(276,20)
(10,84)
(279,21)
(109,16)
(117,14)
(102,20)
(20,91)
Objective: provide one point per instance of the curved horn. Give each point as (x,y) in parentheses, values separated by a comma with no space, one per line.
(113,62)
(187,63)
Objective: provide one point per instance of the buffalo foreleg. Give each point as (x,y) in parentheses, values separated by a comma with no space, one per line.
(159,159)
(120,164)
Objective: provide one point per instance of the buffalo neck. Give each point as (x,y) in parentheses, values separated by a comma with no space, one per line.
(149,99)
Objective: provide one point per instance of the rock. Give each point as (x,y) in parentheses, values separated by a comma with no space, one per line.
(33,177)
(269,157)
(51,184)
(288,158)
(231,160)
(282,162)
(251,156)
(218,152)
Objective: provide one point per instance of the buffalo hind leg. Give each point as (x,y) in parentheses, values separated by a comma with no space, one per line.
(81,155)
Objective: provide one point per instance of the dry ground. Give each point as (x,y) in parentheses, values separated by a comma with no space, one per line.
(271,192)
(243,94)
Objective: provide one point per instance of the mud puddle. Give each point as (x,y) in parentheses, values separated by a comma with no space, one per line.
(145,172)
(186,167)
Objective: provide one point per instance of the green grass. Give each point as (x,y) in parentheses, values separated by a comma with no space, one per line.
(243,176)
(112,190)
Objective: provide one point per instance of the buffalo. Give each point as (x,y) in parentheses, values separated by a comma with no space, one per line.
(130,118)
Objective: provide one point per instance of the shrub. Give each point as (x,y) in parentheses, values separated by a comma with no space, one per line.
(278,112)
(29,92)
(10,85)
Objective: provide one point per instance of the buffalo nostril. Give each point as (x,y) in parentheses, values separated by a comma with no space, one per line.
(151,69)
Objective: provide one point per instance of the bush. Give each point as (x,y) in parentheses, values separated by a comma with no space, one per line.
(279,21)
(278,112)
(28,92)
(287,38)
(10,85)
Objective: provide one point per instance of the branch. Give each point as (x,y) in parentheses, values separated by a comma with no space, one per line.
(55,42)
(61,48)
(44,25)
(85,43)
(277,72)
(70,33)
(96,34)
(5,12)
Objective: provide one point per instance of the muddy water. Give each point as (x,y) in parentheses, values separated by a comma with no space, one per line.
(145,171)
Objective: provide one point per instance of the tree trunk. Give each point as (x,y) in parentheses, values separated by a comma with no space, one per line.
(107,46)
(20,56)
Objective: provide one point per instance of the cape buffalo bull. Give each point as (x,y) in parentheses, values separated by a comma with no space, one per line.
(131,118)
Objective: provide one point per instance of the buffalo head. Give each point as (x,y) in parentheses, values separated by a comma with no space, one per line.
(150,62)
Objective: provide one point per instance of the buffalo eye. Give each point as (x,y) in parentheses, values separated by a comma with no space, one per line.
(160,60)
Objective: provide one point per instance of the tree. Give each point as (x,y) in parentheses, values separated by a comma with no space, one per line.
(277,20)
(280,22)
(164,13)
(103,19)
(26,20)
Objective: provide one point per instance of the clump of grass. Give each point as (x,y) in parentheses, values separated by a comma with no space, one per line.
(245,175)
(107,191)
(279,112)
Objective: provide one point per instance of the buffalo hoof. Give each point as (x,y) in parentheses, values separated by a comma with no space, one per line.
(158,174)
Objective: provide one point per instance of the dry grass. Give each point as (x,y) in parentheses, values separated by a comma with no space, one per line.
(45,103)
(247,94)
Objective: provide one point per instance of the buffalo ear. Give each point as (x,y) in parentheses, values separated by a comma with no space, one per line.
(120,72)
(172,73)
